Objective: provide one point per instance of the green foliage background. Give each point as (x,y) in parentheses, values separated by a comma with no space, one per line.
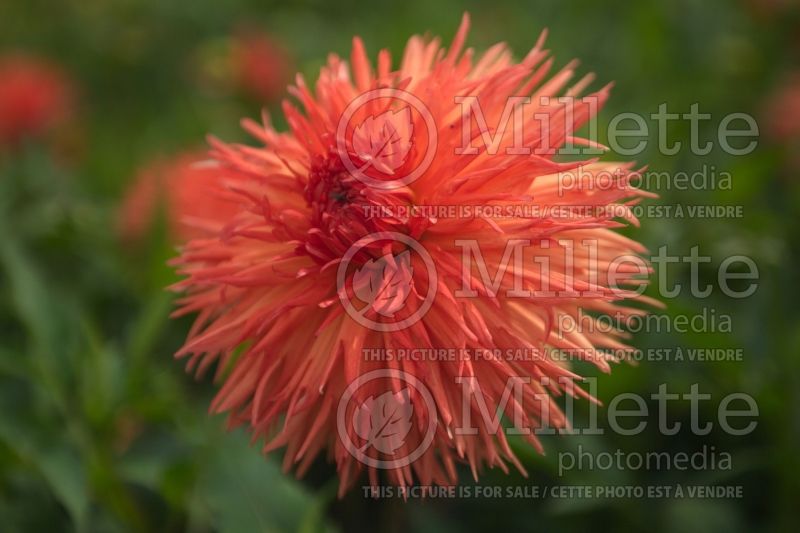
(101,430)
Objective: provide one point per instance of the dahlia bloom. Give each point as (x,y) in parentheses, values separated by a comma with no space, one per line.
(35,96)
(272,291)
(189,191)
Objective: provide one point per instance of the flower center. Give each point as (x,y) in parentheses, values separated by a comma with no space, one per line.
(344,209)
(330,190)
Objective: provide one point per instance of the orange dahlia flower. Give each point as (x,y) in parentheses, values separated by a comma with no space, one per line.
(187,189)
(346,307)
(35,95)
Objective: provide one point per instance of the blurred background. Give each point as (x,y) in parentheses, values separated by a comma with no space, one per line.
(101,430)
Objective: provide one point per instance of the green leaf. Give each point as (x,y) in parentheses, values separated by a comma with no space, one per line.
(240,490)
(60,466)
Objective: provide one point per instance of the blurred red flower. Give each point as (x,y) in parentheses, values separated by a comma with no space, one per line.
(770,8)
(187,188)
(261,65)
(782,110)
(35,96)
